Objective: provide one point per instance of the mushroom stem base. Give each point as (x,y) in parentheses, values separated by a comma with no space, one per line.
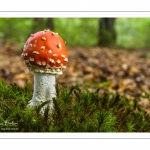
(44,89)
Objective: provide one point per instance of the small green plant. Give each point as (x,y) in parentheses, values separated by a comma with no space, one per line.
(75,110)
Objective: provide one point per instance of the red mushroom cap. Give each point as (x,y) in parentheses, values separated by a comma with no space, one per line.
(45,52)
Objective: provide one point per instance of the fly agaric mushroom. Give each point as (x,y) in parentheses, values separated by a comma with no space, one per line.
(45,54)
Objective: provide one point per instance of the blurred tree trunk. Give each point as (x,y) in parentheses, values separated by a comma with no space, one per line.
(50,24)
(42,23)
(106,33)
(37,24)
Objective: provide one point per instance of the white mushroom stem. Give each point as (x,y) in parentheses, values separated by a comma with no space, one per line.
(44,89)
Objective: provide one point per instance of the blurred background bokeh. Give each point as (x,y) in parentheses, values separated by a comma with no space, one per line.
(107,53)
(121,32)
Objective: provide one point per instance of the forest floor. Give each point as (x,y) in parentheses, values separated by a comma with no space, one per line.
(110,69)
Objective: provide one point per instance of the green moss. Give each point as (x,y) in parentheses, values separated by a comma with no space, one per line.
(76,110)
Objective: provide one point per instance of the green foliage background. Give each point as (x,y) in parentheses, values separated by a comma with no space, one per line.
(131,32)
